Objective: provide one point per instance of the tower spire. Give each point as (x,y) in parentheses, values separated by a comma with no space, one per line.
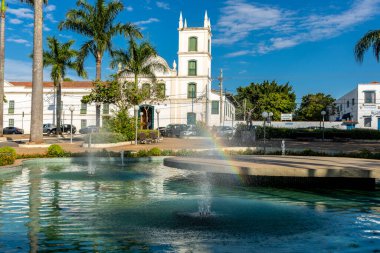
(185,25)
(205,23)
(180,23)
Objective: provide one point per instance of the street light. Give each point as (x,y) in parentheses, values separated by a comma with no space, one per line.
(323,113)
(136,111)
(270,114)
(71,108)
(265,115)
(158,121)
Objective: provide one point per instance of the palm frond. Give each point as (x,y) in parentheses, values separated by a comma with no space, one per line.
(371,38)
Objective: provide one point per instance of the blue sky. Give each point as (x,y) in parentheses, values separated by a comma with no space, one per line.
(306,43)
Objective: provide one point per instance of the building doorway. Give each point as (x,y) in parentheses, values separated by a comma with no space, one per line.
(146,113)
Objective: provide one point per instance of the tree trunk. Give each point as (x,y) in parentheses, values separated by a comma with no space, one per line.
(36,135)
(55,104)
(2,59)
(59,106)
(98,78)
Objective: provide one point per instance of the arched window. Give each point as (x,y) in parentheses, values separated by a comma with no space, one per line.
(192,71)
(192,90)
(146,90)
(193,44)
(161,90)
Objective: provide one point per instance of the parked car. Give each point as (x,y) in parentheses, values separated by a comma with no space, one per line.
(190,130)
(162,131)
(65,128)
(89,129)
(13,130)
(225,131)
(175,129)
(47,128)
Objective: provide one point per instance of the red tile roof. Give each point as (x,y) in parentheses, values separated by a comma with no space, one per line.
(74,84)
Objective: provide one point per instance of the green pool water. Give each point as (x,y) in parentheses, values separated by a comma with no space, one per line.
(58,206)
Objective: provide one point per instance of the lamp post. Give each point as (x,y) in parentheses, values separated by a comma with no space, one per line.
(158,121)
(323,113)
(71,108)
(136,112)
(270,114)
(265,115)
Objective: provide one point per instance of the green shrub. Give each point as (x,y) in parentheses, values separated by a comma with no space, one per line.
(123,124)
(147,133)
(7,156)
(167,152)
(105,138)
(154,152)
(142,153)
(56,151)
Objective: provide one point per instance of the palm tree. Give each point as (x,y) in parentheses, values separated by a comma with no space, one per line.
(60,58)
(36,134)
(370,39)
(2,59)
(139,60)
(96,22)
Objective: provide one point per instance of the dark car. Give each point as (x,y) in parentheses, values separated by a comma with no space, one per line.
(175,129)
(13,130)
(190,130)
(162,131)
(89,129)
(47,128)
(65,128)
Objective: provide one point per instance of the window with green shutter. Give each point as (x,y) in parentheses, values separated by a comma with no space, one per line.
(83,108)
(83,123)
(192,68)
(11,108)
(11,123)
(193,44)
(215,107)
(146,90)
(191,90)
(161,90)
(106,108)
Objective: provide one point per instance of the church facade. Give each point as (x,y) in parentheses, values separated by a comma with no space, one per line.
(188,94)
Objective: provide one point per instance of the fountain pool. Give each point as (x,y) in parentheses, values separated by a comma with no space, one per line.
(52,205)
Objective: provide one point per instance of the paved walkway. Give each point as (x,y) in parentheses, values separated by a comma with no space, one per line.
(177,144)
(285,166)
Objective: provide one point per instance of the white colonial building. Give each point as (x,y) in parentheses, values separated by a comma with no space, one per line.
(361,106)
(17,109)
(187,86)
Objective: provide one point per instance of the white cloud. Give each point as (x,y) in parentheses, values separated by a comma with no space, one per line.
(15,21)
(18,41)
(148,21)
(50,8)
(129,8)
(65,36)
(50,17)
(163,5)
(16,70)
(21,13)
(46,29)
(286,29)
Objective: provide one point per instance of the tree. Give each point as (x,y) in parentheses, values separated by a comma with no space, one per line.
(96,22)
(266,96)
(312,105)
(139,60)
(61,57)
(370,39)
(36,135)
(2,59)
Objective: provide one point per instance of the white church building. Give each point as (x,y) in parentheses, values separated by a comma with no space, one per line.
(189,97)
(188,94)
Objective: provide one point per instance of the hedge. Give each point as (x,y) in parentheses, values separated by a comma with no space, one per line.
(7,156)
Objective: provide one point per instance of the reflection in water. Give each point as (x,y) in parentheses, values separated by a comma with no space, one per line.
(148,207)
